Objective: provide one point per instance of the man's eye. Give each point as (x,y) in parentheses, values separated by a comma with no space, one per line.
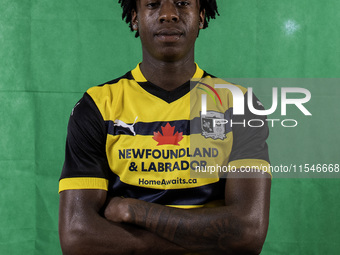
(152,4)
(182,3)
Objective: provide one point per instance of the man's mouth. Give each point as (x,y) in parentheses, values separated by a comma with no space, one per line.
(169,35)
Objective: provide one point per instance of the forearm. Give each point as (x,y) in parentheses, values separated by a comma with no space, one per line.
(83,230)
(238,227)
(206,229)
(99,236)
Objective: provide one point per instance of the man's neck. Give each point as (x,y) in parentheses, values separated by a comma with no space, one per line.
(168,75)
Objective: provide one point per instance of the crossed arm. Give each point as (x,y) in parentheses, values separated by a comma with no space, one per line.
(129,226)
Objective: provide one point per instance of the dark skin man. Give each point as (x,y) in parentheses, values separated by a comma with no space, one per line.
(90,222)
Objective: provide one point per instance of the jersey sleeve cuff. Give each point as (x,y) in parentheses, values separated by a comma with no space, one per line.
(83,183)
(251,165)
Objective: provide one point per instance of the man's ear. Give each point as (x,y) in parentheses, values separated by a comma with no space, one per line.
(202,19)
(134,20)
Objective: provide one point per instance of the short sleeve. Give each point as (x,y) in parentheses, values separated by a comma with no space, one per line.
(86,165)
(250,131)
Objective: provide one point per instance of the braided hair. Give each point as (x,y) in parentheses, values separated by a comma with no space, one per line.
(210,7)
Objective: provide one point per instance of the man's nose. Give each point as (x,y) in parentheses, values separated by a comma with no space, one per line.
(168,12)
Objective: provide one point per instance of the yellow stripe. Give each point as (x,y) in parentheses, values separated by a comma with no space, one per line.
(199,72)
(186,206)
(216,203)
(83,183)
(138,75)
(257,164)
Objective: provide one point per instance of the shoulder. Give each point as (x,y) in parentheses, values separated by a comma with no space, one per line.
(223,84)
(224,93)
(112,85)
(106,95)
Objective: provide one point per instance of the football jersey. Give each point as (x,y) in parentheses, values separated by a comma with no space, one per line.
(134,139)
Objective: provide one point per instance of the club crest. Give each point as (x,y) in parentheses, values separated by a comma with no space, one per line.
(209,130)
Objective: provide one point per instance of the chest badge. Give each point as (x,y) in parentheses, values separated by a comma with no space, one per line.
(211,128)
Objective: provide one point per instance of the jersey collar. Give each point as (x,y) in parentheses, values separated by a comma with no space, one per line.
(139,77)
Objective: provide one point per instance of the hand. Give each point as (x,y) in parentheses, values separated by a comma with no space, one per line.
(130,210)
(117,210)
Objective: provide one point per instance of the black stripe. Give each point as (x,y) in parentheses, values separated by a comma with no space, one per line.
(169,96)
(148,128)
(128,76)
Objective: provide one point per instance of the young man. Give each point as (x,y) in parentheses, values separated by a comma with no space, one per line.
(126,186)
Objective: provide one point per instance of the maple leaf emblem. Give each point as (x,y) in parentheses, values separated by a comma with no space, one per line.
(168,136)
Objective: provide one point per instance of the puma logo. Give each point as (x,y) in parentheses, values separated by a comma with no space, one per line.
(120,123)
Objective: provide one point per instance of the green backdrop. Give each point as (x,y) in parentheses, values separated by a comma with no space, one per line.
(52,51)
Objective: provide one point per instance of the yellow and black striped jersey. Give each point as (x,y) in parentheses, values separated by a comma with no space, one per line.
(136,140)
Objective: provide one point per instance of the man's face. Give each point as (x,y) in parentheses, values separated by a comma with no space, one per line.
(168,28)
